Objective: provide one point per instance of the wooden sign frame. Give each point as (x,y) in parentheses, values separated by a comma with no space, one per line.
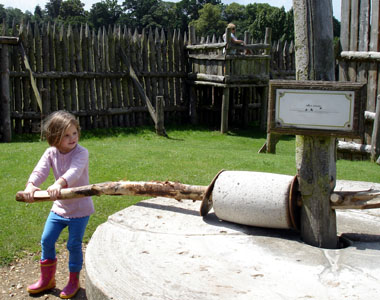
(311,93)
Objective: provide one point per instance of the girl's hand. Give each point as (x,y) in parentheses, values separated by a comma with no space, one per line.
(54,190)
(29,192)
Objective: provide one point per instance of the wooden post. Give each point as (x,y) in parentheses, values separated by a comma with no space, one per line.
(264,102)
(5,97)
(315,155)
(225,107)
(375,143)
(160,113)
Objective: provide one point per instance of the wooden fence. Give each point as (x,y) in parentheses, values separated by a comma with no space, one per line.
(360,58)
(82,71)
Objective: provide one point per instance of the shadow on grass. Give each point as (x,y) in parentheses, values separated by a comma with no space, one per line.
(252,131)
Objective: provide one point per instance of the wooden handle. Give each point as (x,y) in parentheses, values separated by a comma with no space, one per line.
(167,189)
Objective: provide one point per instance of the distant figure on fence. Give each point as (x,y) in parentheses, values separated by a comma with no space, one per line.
(69,162)
(234,40)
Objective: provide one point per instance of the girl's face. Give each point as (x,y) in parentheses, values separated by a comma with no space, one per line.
(69,140)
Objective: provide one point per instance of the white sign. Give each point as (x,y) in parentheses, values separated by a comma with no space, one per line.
(315,109)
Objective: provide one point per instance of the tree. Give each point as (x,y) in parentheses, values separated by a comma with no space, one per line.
(52,8)
(104,13)
(72,12)
(237,14)
(139,12)
(261,16)
(210,21)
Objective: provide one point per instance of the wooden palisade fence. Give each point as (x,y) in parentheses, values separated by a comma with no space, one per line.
(83,71)
(359,61)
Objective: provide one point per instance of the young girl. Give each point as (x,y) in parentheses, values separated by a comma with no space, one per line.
(69,162)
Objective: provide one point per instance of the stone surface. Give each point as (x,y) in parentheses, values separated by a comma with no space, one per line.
(162,249)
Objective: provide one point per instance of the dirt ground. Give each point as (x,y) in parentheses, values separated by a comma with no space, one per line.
(15,278)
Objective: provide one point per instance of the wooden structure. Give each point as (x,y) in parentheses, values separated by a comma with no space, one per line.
(226,65)
(315,155)
(360,58)
(83,72)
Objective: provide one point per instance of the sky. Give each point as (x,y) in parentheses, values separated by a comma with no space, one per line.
(31,4)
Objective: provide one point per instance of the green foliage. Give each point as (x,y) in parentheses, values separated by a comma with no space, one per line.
(52,8)
(192,155)
(208,16)
(209,22)
(104,13)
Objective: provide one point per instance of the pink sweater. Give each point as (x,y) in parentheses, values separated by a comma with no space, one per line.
(73,167)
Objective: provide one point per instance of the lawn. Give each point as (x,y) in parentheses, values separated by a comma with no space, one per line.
(192,155)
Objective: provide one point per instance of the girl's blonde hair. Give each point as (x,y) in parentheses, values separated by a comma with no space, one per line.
(56,125)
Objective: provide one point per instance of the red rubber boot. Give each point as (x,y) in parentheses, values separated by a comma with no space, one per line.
(47,278)
(72,286)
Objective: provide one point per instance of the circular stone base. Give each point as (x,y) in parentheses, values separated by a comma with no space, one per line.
(162,249)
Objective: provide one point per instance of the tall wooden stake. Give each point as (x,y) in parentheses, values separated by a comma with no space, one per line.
(5,109)
(315,156)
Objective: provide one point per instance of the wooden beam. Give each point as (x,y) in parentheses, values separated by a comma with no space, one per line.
(375,141)
(5,95)
(315,155)
(138,85)
(168,189)
(9,40)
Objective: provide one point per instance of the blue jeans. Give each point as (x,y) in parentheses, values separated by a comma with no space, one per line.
(53,228)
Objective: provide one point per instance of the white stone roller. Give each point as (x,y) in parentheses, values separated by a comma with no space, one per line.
(255,199)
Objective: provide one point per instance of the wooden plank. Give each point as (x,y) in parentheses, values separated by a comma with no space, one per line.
(131,91)
(145,64)
(375,143)
(118,70)
(52,56)
(157,42)
(98,81)
(113,81)
(91,68)
(344,37)
(177,66)
(354,33)
(372,87)
(124,81)
(72,54)
(164,67)
(5,108)
(16,81)
(46,107)
(66,67)
(85,57)
(58,41)
(152,62)
(170,67)
(136,63)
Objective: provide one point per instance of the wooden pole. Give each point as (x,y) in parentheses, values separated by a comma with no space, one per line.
(160,115)
(375,143)
(315,156)
(225,108)
(5,96)
(168,189)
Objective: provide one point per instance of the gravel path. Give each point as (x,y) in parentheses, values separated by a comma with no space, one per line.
(17,276)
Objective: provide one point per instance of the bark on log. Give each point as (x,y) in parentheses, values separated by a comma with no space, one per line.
(355,200)
(354,147)
(361,55)
(167,189)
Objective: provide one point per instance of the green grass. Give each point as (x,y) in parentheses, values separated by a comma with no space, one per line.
(191,155)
